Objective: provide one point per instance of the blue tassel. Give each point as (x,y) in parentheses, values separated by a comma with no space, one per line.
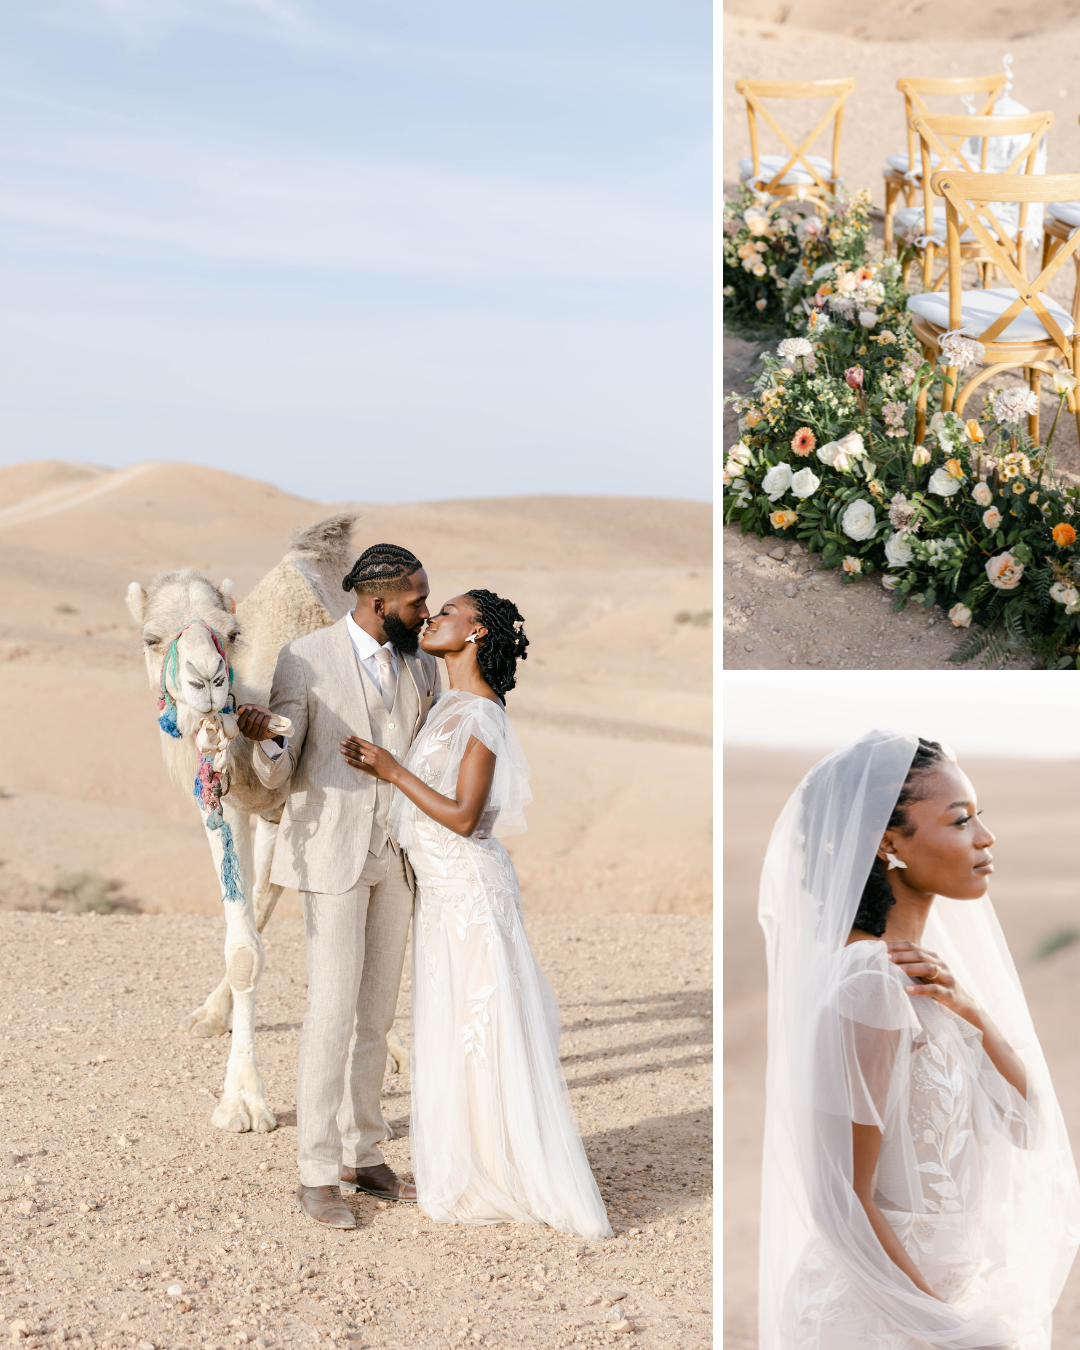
(167,722)
(231,879)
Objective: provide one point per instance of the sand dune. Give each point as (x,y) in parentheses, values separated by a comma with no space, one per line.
(613,704)
(1030,805)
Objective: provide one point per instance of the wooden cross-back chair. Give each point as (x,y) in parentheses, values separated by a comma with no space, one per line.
(903,173)
(1059,221)
(941,145)
(796,170)
(1019,325)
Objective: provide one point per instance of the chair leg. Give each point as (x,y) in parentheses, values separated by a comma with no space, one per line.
(927,266)
(1034,384)
(891,192)
(920,405)
(948,393)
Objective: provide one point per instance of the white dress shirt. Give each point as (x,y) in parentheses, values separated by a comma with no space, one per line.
(365,647)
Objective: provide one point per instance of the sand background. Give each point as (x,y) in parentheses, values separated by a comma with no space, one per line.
(877,43)
(1031,807)
(613,704)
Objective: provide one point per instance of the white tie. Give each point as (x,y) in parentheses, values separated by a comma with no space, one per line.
(387,678)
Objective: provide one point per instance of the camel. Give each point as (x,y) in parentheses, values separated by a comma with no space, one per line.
(200,647)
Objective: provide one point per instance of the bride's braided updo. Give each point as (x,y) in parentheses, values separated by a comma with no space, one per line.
(877,897)
(505,644)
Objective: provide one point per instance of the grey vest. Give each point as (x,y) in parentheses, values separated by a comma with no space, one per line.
(393,731)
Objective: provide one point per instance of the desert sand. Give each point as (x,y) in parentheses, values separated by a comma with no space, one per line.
(127,1220)
(114,1187)
(877,44)
(613,704)
(1030,806)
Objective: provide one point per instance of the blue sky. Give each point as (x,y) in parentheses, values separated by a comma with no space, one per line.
(369,251)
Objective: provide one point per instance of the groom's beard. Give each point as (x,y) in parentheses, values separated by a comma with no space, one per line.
(405,640)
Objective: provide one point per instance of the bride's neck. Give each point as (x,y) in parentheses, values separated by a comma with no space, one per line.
(463,672)
(907,918)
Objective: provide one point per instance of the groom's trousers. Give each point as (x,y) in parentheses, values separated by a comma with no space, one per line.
(355,952)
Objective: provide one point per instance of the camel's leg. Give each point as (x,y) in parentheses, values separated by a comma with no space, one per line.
(213,1017)
(243,1104)
(266,892)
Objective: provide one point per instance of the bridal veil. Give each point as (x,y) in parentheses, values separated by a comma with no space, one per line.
(843,1037)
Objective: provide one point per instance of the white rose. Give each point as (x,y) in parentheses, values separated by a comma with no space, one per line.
(777,481)
(867,318)
(827,453)
(859,521)
(960,616)
(852,445)
(740,454)
(1065,595)
(890,583)
(805,483)
(941,483)
(982,494)
(841,463)
(898,549)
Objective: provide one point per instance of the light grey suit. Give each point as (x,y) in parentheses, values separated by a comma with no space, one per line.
(355,884)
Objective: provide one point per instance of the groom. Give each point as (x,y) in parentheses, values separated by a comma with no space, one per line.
(363,676)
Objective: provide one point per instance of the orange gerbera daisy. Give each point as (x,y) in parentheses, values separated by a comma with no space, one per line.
(803,441)
(863,274)
(1063,534)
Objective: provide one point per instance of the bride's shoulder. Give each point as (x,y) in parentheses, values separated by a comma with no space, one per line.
(870,987)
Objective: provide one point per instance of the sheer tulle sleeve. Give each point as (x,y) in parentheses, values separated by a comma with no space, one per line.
(510,791)
(876,1023)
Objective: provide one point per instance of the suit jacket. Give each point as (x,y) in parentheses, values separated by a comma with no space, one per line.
(322,842)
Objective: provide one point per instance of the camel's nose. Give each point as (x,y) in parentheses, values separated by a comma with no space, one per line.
(207,683)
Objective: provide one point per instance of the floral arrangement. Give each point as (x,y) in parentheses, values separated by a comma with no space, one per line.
(785,262)
(972,518)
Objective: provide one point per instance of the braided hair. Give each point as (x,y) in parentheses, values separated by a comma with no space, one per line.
(877,897)
(381,569)
(505,644)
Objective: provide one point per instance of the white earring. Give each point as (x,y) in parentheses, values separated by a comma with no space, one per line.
(894,861)
(471,637)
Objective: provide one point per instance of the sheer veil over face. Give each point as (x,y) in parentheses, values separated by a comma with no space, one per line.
(846,1044)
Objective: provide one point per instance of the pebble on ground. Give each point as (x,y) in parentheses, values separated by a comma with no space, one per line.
(127,1220)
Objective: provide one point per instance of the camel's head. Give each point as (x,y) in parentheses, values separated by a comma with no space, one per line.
(196,676)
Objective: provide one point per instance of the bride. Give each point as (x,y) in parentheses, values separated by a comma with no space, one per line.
(919,1188)
(492,1131)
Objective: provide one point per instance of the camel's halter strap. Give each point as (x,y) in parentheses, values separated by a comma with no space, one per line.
(210,785)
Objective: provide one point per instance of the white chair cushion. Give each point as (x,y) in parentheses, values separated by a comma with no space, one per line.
(979,309)
(1007,213)
(772,164)
(1069,212)
(901,165)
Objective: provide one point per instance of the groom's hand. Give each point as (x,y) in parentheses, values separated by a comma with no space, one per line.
(254,721)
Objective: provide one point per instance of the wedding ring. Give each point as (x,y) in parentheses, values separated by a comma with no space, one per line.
(937,972)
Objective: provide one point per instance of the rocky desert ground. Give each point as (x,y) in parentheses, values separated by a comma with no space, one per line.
(1030,806)
(826,624)
(126,1220)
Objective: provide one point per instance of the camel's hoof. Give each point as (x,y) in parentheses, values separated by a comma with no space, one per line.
(202,1023)
(239,1116)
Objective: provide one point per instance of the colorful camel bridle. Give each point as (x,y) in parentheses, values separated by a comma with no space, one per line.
(210,785)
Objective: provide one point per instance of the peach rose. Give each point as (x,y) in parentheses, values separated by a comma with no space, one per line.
(781,520)
(1063,535)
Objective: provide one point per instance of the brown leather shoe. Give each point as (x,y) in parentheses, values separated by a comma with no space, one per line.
(323,1204)
(380,1181)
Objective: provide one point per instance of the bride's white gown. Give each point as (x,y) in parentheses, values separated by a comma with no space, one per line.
(493,1135)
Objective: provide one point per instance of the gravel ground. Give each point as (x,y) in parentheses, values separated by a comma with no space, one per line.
(127,1220)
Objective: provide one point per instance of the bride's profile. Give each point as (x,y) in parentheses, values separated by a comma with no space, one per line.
(919,1188)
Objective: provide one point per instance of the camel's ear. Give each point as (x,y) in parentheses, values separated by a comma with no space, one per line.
(225,591)
(136,602)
